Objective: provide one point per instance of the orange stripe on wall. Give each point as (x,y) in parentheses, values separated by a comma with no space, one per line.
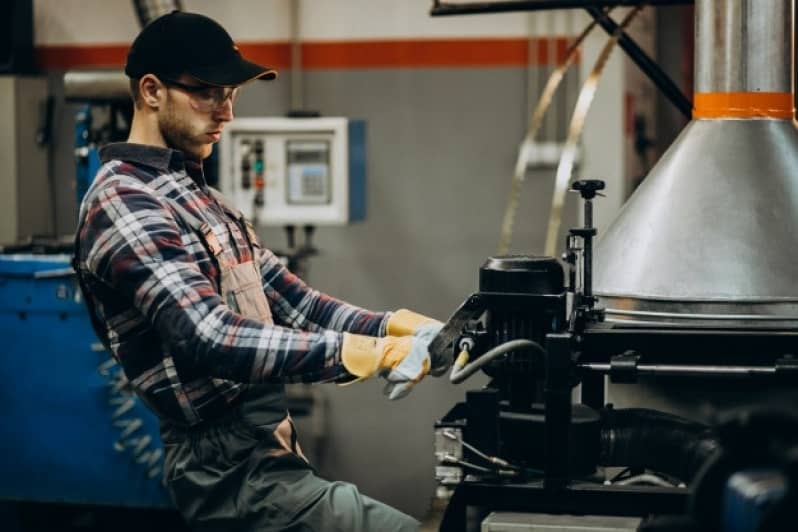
(345,54)
(272,54)
(431,53)
(276,55)
(66,57)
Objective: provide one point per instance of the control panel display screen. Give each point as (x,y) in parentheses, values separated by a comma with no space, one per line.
(308,175)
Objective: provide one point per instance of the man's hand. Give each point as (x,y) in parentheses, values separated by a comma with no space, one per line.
(405,322)
(409,370)
(427,333)
(401,360)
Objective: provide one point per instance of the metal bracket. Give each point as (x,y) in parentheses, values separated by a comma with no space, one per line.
(623,367)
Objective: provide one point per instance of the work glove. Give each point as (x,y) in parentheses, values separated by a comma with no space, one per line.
(401,360)
(438,365)
(405,322)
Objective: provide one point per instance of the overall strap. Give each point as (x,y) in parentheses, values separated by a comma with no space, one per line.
(200,226)
(249,230)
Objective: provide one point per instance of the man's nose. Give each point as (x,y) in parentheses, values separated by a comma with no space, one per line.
(224,113)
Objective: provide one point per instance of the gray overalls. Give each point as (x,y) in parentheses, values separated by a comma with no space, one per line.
(246,471)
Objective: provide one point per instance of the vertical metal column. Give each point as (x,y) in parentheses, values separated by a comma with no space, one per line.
(593,390)
(557,393)
(743,46)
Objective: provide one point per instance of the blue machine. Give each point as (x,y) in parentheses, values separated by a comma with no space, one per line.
(71,432)
(749,496)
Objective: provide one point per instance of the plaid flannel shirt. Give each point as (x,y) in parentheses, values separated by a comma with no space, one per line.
(154,289)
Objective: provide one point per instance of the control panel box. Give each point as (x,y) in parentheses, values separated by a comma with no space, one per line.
(283,171)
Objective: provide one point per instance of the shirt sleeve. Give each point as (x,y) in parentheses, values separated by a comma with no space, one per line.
(295,304)
(135,247)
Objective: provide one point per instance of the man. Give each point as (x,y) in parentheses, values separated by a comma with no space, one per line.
(207,324)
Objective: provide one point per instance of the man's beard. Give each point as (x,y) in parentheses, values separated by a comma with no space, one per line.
(176,131)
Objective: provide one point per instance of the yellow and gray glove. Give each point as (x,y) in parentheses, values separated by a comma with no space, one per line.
(401,360)
(405,322)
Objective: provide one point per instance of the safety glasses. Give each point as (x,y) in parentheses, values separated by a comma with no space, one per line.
(205,98)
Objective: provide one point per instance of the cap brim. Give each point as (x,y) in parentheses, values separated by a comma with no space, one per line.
(235,72)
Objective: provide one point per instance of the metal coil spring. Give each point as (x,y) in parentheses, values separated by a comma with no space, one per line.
(132,437)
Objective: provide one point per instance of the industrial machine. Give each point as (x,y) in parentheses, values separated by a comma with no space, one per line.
(695,278)
(81,438)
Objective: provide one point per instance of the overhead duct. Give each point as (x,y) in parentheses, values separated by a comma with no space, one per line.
(96,85)
(711,236)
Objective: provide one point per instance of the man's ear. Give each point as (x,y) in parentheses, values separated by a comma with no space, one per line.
(152,91)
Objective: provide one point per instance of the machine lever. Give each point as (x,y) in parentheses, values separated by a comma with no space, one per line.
(444,344)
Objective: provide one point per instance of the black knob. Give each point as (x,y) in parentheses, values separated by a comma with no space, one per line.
(588,188)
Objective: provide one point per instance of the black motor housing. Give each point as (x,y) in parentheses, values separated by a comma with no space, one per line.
(525,299)
(520,297)
(522,274)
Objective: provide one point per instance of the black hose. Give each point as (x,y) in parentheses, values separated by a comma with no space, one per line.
(461,373)
(648,439)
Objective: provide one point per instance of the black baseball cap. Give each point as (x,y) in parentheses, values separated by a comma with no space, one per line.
(188,43)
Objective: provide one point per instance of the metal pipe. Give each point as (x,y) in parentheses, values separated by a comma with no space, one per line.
(710,317)
(471,8)
(96,85)
(297,90)
(743,46)
(149,10)
(687,370)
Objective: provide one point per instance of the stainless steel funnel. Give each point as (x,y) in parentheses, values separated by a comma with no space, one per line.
(711,236)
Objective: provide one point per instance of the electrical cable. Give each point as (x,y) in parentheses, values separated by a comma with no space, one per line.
(620,476)
(462,370)
(451,459)
(492,459)
(501,472)
(645,478)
